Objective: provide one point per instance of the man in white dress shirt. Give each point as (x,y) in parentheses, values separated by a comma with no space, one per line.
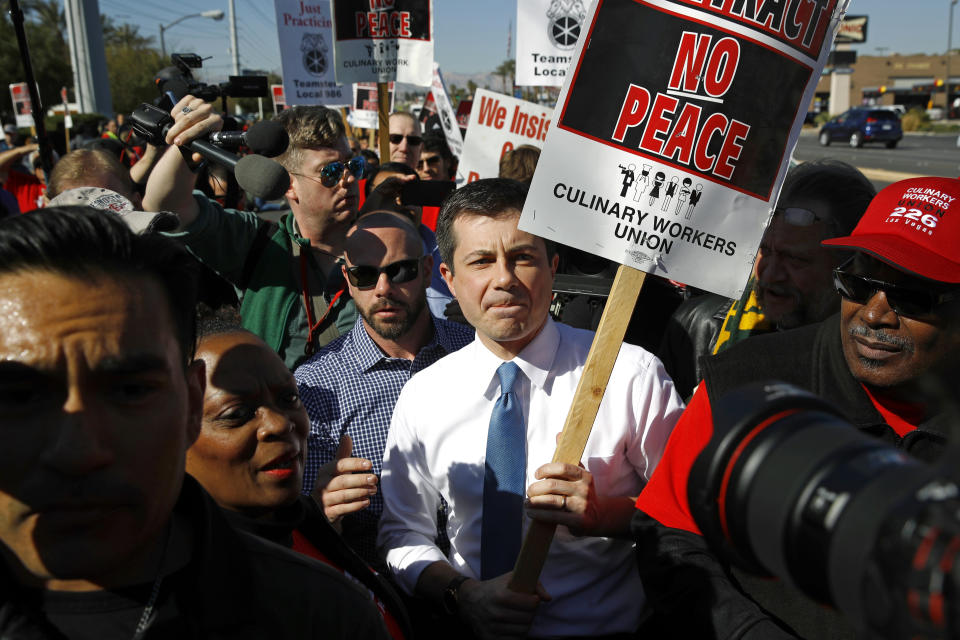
(438,440)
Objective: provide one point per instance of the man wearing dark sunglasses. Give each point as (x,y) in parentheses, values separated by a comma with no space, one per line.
(406,139)
(793,276)
(350,387)
(899,322)
(292,292)
(435,159)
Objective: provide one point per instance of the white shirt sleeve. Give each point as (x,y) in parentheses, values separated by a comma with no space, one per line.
(657,407)
(408,526)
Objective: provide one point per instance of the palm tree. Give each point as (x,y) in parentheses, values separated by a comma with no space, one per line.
(504,71)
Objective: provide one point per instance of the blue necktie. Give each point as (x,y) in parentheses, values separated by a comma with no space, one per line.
(503,478)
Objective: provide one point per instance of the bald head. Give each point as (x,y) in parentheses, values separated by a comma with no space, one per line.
(373,232)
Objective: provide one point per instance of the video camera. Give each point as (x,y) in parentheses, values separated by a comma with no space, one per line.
(176,81)
(787,487)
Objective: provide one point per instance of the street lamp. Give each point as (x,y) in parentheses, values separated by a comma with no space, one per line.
(214,14)
(949,46)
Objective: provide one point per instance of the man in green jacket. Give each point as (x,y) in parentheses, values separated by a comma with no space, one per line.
(292,293)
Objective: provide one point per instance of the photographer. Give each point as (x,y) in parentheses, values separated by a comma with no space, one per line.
(899,320)
(293,295)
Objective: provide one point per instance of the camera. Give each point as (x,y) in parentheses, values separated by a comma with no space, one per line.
(176,81)
(787,487)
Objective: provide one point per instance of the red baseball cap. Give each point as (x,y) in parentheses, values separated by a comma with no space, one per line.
(913,225)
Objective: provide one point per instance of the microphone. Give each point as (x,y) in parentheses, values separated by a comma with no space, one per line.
(262,177)
(267,138)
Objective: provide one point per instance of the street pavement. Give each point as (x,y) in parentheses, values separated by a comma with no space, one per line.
(917,155)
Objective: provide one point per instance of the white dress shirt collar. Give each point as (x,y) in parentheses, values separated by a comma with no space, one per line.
(535,360)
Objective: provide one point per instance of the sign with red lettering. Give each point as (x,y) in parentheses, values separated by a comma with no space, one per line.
(365,113)
(279,102)
(22,105)
(499,123)
(383,40)
(688,111)
(305,32)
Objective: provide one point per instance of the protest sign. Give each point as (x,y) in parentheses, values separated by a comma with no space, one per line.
(383,40)
(67,119)
(279,101)
(22,104)
(364,114)
(688,111)
(305,32)
(499,123)
(448,120)
(547,33)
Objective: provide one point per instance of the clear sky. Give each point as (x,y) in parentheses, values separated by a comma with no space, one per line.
(471,35)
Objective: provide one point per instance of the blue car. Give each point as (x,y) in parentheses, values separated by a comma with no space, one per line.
(860,125)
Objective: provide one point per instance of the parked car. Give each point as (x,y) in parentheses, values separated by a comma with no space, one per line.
(860,125)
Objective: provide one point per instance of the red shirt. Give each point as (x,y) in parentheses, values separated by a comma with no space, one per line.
(27,189)
(664,498)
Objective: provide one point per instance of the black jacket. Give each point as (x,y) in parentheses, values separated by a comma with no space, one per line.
(693,592)
(691,332)
(306,517)
(236,586)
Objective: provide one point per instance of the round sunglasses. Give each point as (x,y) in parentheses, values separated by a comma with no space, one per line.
(330,174)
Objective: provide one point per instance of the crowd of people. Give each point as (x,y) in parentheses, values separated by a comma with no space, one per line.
(335,416)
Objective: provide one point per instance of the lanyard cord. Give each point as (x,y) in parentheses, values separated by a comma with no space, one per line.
(313,326)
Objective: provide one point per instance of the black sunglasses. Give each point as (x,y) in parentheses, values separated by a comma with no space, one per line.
(798,217)
(364,276)
(432,161)
(905,301)
(330,174)
(413,141)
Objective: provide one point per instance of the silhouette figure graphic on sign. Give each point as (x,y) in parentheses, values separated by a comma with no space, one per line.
(643,181)
(684,195)
(627,178)
(671,190)
(694,199)
(657,183)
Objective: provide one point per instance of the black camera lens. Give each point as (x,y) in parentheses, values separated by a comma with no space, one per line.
(787,487)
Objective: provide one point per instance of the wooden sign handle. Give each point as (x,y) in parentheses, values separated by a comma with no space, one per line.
(383,108)
(583,411)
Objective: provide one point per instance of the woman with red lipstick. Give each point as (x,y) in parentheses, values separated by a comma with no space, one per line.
(250,454)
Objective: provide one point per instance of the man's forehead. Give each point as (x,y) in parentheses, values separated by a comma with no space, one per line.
(390,235)
(402,123)
(320,156)
(44,316)
(488,233)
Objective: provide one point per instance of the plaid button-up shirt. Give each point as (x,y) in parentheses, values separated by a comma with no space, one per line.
(350,386)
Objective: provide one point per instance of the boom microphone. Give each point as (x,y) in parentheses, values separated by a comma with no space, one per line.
(267,138)
(262,177)
(259,176)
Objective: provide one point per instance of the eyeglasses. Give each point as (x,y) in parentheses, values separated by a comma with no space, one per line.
(330,174)
(432,161)
(364,276)
(905,301)
(798,217)
(413,141)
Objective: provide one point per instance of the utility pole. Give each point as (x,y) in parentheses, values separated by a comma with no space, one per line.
(87,56)
(234,53)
